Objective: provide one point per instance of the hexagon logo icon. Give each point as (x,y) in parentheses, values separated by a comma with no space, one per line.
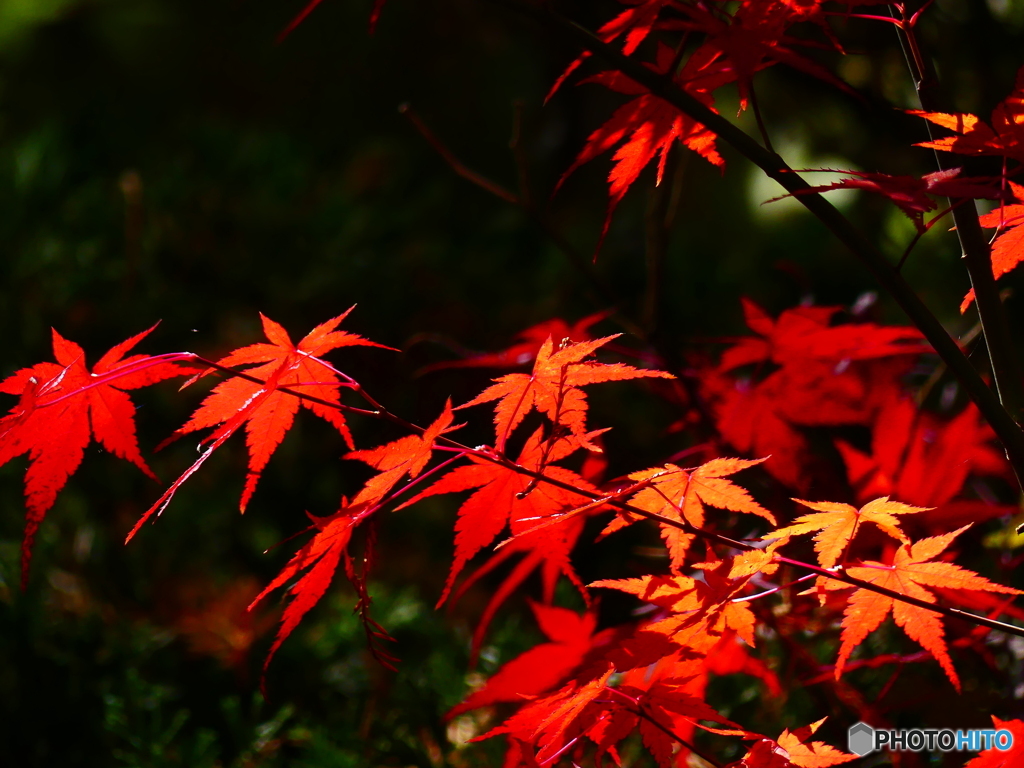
(861,739)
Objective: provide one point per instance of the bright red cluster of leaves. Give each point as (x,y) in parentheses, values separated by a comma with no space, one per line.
(585,688)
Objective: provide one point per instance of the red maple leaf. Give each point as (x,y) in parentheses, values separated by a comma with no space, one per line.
(650,126)
(911,193)
(753,37)
(1002,758)
(1008,248)
(318,560)
(267,412)
(541,668)
(63,405)
(528,344)
(803,335)
(504,496)
(1005,137)
(731,655)
(317,563)
(915,455)
(814,374)
(405,456)
(910,573)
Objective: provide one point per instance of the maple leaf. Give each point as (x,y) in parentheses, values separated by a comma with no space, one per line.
(1008,248)
(765,753)
(753,37)
(1004,138)
(803,335)
(1002,758)
(792,749)
(649,126)
(541,668)
(503,497)
(660,700)
(553,721)
(909,574)
(820,375)
(909,193)
(730,656)
(836,524)
(700,611)
(914,455)
(554,388)
(267,412)
(813,754)
(405,456)
(528,344)
(680,495)
(656,701)
(546,550)
(317,563)
(63,405)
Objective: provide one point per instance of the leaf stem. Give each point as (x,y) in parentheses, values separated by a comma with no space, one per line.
(380,412)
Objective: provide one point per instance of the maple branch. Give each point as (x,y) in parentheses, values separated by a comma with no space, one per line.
(380,412)
(288,390)
(1006,369)
(1003,424)
(954,613)
(642,713)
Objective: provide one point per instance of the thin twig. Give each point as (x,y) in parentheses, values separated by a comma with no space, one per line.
(380,412)
(1005,427)
(1006,368)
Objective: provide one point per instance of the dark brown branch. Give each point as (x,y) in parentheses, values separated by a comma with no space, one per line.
(1006,369)
(1005,427)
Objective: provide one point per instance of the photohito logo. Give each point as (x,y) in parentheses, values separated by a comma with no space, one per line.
(862,739)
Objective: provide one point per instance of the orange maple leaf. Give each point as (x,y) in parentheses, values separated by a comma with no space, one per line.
(554,388)
(681,494)
(909,573)
(62,406)
(836,524)
(1004,138)
(811,754)
(700,612)
(266,412)
(793,750)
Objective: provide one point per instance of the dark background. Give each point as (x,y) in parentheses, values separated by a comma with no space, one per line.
(167,161)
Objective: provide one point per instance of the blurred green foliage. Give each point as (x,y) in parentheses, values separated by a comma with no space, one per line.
(167,161)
